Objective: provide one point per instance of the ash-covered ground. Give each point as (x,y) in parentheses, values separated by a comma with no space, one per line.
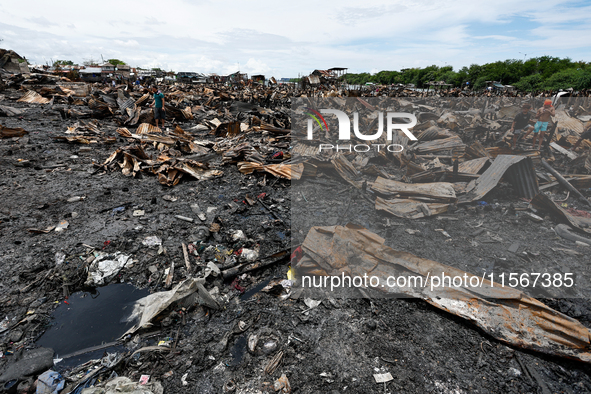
(336,347)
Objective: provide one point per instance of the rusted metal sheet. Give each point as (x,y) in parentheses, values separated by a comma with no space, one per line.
(304,150)
(523,178)
(497,150)
(288,171)
(476,150)
(565,122)
(7,132)
(543,202)
(503,312)
(346,170)
(438,191)
(197,170)
(410,209)
(472,166)
(142,99)
(32,97)
(146,128)
(454,144)
(80,89)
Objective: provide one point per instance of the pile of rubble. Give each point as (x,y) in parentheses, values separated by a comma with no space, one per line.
(201,211)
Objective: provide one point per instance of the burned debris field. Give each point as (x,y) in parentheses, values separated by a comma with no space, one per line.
(167,260)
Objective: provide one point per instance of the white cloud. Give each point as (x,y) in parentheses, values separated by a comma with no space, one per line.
(128,43)
(292,38)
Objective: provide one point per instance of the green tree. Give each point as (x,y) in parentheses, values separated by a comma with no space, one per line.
(529,83)
(116,62)
(569,78)
(58,63)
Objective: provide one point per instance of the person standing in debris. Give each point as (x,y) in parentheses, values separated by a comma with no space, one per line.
(543,115)
(159,112)
(521,123)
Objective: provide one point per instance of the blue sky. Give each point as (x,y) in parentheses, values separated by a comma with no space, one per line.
(286,40)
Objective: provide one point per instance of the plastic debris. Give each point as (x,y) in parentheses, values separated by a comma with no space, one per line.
(383,377)
(62,226)
(117,210)
(249,255)
(50,382)
(310,303)
(152,241)
(238,235)
(105,267)
(59,258)
(147,308)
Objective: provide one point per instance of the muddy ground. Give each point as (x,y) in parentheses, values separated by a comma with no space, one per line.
(336,347)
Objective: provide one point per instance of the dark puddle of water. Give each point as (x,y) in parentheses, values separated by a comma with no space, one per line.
(91,318)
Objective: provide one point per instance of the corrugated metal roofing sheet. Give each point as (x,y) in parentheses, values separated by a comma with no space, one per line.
(33,98)
(522,176)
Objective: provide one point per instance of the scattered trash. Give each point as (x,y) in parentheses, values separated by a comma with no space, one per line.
(117,210)
(60,257)
(62,226)
(249,255)
(310,303)
(76,198)
(184,218)
(152,241)
(282,385)
(50,382)
(105,266)
(238,235)
(145,309)
(383,377)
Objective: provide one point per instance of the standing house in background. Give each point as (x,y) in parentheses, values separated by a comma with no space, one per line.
(123,70)
(107,70)
(91,74)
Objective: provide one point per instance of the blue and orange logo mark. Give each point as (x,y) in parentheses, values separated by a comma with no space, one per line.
(315,115)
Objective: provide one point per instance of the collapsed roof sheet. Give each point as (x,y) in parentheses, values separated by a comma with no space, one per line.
(503,312)
(523,178)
